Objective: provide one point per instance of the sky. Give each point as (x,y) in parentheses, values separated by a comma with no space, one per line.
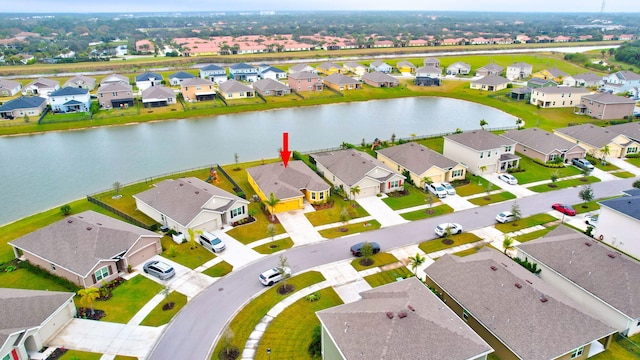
(129,6)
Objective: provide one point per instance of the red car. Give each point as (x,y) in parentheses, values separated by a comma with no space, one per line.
(565,209)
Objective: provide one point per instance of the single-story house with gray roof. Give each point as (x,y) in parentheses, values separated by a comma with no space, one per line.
(458,68)
(341,82)
(421,163)
(400,320)
(9,87)
(81,81)
(157,96)
(543,145)
(490,70)
(595,138)
(25,105)
(302,68)
(349,168)
(41,87)
(233,89)
(270,87)
(490,83)
(190,203)
(379,79)
(428,76)
(291,185)
(587,79)
(381,66)
(177,78)
(605,106)
(601,280)
(29,319)
(88,248)
(518,314)
(481,151)
(619,223)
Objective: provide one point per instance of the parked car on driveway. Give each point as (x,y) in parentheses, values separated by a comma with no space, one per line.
(565,209)
(505,217)
(582,164)
(508,178)
(356,249)
(437,189)
(274,275)
(450,189)
(211,242)
(453,227)
(159,269)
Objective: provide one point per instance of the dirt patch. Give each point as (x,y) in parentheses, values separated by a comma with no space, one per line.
(230,353)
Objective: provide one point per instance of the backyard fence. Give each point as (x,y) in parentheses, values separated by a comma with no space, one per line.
(128,218)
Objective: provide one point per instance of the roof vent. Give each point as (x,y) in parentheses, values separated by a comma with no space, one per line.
(99,224)
(611,256)
(402,314)
(494,268)
(181,184)
(197,192)
(411,308)
(389,314)
(518,286)
(69,221)
(543,299)
(88,227)
(587,243)
(529,282)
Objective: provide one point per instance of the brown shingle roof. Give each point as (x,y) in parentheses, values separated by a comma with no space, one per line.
(269,84)
(589,134)
(232,86)
(351,165)
(380,77)
(340,79)
(539,140)
(286,183)
(158,92)
(606,98)
(480,140)
(417,158)
(303,75)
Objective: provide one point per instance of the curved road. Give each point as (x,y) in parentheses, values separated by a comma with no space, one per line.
(192,333)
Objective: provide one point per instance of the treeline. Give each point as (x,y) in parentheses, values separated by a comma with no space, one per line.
(629,53)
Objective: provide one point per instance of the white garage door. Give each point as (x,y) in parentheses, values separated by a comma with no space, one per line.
(368,191)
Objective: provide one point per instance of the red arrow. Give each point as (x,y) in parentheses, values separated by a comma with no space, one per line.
(285,154)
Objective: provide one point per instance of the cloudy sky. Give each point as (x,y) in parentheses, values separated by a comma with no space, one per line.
(126,6)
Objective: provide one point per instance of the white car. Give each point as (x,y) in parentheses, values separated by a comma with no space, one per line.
(450,189)
(508,178)
(453,227)
(505,217)
(437,189)
(274,275)
(211,242)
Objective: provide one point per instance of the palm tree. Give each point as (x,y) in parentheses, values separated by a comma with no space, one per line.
(354,190)
(483,123)
(272,202)
(416,261)
(88,295)
(507,243)
(424,181)
(483,168)
(605,151)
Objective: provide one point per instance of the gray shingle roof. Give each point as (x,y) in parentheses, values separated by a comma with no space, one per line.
(149,76)
(541,82)
(614,280)
(379,63)
(286,183)
(428,70)
(303,75)
(158,92)
(492,67)
(80,241)
(353,64)
(492,80)
(606,98)
(563,90)
(213,67)
(377,76)
(69,91)
(539,140)
(269,84)
(299,67)
(351,165)
(181,75)
(417,158)
(183,199)
(8,84)
(459,65)
(362,329)
(340,79)
(114,78)
(520,65)
(114,87)
(404,63)
(557,72)
(480,140)
(232,86)
(23,102)
(196,81)
(80,79)
(43,82)
(628,205)
(328,65)
(589,134)
(239,66)
(273,69)
(630,130)
(588,76)
(627,75)
(529,327)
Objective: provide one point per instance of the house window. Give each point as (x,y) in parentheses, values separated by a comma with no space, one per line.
(394,183)
(632,150)
(481,155)
(53,267)
(237,212)
(489,153)
(552,157)
(102,273)
(398,167)
(577,352)
(322,195)
(456,173)
(507,148)
(313,196)
(465,315)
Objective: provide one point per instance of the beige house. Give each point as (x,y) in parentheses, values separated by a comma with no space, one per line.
(595,139)
(557,96)
(24,105)
(543,145)
(197,89)
(490,83)
(354,67)
(341,82)
(233,89)
(87,249)
(605,106)
(41,87)
(482,152)
(81,81)
(158,96)
(9,87)
(421,162)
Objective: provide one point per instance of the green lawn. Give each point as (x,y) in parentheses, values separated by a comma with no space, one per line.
(80,355)
(274,246)
(25,279)
(250,315)
(351,229)
(623,174)
(617,352)
(435,143)
(220,269)
(185,254)
(473,250)
(476,185)
(379,259)
(332,215)
(598,164)
(562,184)
(414,198)
(127,300)
(538,219)
(536,172)
(387,277)
(436,244)
(429,212)
(534,234)
(493,198)
(289,334)
(633,161)
(158,316)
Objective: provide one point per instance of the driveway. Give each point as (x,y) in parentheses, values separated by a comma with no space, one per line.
(380,211)
(517,190)
(186,281)
(299,227)
(624,165)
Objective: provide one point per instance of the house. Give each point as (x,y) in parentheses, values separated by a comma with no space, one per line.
(459,68)
(177,78)
(518,314)
(630,130)
(41,87)
(145,46)
(158,96)
(81,81)
(271,72)
(421,163)
(30,106)
(147,80)
(292,185)
(341,82)
(405,67)
(243,72)
(520,93)
(9,87)
(197,89)
(115,95)
(270,87)
(232,89)
(519,71)
(354,67)
(605,106)
(190,203)
(535,83)
(380,66)
(594,139)
(30,319)
(329,68)
(543,145)
(88,249)
(583,80)
(349,168)
(302,67)
(490,83)
(619,222)
(214,73)
(600,279)
(379,79)
(305,81)
(550,74)
(410,315)
(431,61)
(490,70)
(481,151)
(114,78)
(428,76)
(70,99)
(622,82)
(557,96)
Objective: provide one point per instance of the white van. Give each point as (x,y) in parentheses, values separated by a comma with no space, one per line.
(211,242)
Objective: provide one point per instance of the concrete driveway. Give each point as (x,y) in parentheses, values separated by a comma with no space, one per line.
(624,165)
(517,190)
(186,281)
(380,211)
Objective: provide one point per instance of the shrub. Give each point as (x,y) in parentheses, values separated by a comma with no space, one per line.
(633,156)
(65,210)
(47,275)
(550,164)
(315,347)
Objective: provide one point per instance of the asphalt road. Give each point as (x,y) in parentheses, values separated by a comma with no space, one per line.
(192,333)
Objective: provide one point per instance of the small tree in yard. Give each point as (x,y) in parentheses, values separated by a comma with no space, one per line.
(236,159)
(355,191)
(487,189)
(605,151)
(517,214)
(344,217)
(65,209)
(230,351)
(482,168)
(88,296)
(507,243)
(367,252)
(554,177)
(447,236)
(271,231)
(483,123)
(272,201)
(283,262)
(393,138)
(416,261)
(116,187)
(586,194)
(429,199)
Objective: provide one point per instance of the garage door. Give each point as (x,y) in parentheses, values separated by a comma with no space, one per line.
(368,191)
(142,255)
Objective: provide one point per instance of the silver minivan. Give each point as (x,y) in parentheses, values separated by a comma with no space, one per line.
(211,242)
